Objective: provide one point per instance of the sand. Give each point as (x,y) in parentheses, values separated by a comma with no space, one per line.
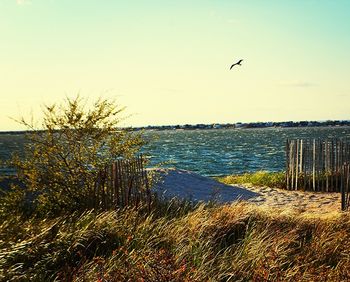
(188,185)
(318,202)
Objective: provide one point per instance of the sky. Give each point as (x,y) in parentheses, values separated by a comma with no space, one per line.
(168,61)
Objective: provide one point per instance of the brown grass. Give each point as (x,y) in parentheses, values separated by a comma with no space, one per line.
(239,242)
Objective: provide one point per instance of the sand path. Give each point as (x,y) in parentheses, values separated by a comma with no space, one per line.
(189,185)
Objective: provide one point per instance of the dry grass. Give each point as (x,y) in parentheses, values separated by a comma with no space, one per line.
(240,242)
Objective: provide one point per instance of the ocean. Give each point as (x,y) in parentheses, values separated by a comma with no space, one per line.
(230,151)
(212,152)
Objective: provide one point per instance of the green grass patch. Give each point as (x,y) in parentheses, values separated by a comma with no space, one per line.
(260,178)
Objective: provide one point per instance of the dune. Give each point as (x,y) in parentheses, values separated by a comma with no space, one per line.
(184,184)
(187,185)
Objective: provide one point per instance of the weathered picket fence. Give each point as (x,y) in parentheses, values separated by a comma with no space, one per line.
(123,183)
(316,165)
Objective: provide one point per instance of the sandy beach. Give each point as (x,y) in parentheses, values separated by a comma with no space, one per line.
(314,202)
(189,185)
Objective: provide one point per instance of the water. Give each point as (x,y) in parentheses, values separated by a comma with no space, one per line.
(9,144)
(213,152)
(230,151)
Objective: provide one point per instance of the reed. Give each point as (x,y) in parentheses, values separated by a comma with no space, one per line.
(239,242)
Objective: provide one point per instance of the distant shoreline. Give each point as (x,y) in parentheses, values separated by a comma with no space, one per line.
(238,125)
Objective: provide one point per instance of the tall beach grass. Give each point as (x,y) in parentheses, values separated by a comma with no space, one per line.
(238,242)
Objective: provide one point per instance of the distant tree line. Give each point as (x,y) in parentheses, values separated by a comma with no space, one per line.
(245,125)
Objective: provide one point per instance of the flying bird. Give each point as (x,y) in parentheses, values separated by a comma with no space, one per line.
(238,63)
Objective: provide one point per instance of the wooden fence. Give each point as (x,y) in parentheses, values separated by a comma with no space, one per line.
(123,183)
(316,165)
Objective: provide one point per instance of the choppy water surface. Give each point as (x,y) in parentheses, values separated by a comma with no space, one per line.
(231,151)
(214,152)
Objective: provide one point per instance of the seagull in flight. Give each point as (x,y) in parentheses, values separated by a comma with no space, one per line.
(238,63)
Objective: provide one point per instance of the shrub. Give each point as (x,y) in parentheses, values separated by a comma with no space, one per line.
(63,158)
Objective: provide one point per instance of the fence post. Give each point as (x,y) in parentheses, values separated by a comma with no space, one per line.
(287,163)
(342,188)
(344,178)
(313,165)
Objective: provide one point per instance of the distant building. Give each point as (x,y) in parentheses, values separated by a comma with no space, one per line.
(217,126)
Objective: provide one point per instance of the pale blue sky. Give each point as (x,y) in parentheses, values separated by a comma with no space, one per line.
(168,61)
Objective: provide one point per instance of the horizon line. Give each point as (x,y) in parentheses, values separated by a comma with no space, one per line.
(347,121)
